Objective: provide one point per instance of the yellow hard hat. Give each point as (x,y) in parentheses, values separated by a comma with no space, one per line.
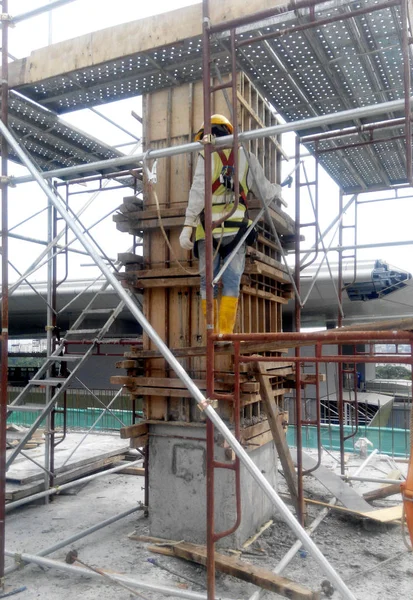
(215,120)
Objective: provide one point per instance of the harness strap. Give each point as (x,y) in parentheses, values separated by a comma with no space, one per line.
(228,162)
(224,251)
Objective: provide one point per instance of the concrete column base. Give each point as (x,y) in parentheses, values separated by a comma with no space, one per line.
(177,487)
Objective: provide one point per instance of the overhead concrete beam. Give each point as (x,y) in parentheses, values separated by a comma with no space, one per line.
(123,40)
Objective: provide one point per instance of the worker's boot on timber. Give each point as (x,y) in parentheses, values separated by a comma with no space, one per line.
(227,314)
(204,310)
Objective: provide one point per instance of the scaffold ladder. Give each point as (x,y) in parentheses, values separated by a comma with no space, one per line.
(60,384)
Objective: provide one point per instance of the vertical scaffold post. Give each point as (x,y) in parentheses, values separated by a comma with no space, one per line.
(210,521)
(298,411)
(5,286)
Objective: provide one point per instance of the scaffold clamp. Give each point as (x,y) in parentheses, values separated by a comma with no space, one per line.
(208,139)
(6,17)
(7,181)
(207,402)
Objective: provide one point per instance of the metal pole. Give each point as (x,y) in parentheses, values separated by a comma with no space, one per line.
(5,287)
(143,585)
(407,88)
(297,351)
(80,535)
(210,477)
(56,239)
(287,558)
(370,479)
(330,227)
(40,10)
(181,372)
(340,316)
(365,246)
(222,142)
(51,321)
(66,486)
(365,463)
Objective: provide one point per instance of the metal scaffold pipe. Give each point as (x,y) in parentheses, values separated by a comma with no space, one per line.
(66,486)
(182,374)
(40,10)
(81,534)
(274,130)
(80,571)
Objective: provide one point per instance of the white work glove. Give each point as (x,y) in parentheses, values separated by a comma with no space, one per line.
(185,238)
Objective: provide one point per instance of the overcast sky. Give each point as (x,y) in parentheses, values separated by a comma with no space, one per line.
(377,222)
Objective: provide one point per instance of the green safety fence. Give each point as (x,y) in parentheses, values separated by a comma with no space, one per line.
(391,441)
(81,418)
(83,409)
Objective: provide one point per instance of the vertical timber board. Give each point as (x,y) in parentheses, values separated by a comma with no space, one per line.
(277,430)
(172,116)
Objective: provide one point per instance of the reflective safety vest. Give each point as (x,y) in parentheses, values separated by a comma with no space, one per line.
(223,194)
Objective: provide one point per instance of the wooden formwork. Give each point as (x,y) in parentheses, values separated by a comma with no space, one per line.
(168,276)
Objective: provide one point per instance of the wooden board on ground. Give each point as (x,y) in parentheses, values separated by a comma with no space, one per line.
(95,447)
(240,569)
(352,501)
(339,488)
(16,491)
(391,514)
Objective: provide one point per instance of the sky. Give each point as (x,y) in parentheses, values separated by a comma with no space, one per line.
(378,222)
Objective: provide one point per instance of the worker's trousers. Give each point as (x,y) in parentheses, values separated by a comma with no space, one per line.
(231,277)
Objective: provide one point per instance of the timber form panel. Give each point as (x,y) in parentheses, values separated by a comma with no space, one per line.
(170,290)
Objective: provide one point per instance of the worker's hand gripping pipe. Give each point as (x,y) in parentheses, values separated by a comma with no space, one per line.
(286,514)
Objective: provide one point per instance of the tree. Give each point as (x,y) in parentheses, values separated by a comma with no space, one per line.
(393,372)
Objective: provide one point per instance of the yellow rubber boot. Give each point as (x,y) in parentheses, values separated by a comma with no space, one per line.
(227,314)
(203,306)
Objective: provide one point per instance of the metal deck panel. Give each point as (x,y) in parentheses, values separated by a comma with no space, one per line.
(50,142)
(325,69)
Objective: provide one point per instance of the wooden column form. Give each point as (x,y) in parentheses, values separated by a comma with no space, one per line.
(170,293)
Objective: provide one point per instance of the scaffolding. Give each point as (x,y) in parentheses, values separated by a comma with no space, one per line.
(359,138)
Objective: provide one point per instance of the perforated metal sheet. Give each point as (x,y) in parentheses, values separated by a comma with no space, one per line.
(51,143)
(330,68)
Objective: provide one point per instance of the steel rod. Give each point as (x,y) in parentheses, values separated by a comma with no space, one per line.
(365,463)
(143,585)
(178,368)
(38,11)
(319,23)
(370,479)
(274,130)
(5,286)
(287,558)
(33,266)
(210,441)
(66,486)
(407,87)
(80,535)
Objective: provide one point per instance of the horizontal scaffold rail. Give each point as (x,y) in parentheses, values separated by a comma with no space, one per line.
(274,130)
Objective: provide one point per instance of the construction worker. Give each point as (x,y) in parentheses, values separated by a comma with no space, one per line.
(227,235)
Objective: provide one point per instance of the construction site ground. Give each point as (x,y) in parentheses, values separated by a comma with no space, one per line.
(356,548)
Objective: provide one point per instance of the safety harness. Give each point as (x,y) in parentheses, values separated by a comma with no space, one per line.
(226,179)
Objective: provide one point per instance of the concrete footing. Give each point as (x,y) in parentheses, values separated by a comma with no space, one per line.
(177,487)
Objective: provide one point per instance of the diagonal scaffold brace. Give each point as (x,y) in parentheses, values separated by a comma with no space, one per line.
(210,413)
